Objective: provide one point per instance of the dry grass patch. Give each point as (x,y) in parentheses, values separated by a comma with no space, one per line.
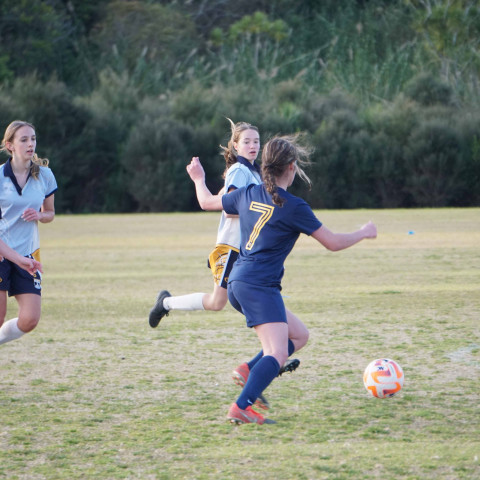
(94,392)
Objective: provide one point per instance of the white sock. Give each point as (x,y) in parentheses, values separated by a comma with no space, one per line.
(193,301)
(9,331)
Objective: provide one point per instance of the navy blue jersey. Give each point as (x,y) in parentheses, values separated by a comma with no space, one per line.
(268,232)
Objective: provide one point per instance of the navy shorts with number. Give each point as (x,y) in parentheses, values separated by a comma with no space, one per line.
(259,304)
(16,280)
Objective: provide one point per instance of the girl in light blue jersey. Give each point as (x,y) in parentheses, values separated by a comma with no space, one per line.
(240,170)
(271,220)
(27,188)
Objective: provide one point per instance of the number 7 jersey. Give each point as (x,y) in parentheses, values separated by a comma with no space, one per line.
(268,232)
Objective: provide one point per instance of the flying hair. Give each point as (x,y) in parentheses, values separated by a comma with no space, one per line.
(278,153)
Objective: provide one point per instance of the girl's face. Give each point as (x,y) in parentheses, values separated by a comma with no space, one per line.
(24,143)
(248,145)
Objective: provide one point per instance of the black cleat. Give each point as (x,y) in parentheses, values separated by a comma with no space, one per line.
(158,311)
(289,366)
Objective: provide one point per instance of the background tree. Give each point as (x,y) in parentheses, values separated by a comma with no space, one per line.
(125,92)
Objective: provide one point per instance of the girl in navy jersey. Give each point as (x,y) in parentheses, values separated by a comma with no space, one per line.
(271,221)
(241,170)
(27,188)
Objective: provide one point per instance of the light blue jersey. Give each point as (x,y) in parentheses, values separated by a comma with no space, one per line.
(240,174)
(14,231)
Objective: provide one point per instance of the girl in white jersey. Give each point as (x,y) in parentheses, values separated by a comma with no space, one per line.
(27,188)
(241,170)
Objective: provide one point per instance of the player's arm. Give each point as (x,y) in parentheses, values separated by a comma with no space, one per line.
(205,198)
(231,215)
(48,210)
(222,192)
(339,241)
(28,264)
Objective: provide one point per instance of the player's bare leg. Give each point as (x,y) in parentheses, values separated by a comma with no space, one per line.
(216,300)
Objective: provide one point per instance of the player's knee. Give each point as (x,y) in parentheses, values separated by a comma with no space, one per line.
(215,305)
(301,339)
(28,323)
(306,336)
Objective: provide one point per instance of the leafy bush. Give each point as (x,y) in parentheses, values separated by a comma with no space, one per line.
(125,93)
(154,159)
(59,125)
(428,89)
(434,167)
(342,170)
(134,30)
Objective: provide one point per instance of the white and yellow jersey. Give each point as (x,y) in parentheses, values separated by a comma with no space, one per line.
(240,174)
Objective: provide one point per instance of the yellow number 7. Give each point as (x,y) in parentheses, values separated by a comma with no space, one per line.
(266,212)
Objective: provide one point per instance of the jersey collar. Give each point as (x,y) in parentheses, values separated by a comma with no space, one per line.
(255,167)
(8,172)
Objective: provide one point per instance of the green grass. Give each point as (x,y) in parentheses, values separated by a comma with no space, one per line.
(95,393)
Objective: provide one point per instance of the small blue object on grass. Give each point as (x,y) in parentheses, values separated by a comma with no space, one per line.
(411,232)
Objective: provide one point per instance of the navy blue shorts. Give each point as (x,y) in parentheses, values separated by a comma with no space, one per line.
(16,280)
(259,304)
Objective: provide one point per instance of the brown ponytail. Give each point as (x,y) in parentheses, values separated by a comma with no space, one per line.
(277,154)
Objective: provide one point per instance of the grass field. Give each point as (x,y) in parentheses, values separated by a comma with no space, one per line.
(95,393)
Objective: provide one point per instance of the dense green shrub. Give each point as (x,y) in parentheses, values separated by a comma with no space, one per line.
(123,94)
(390,128)
(428,89)
(40,37)
(154,159)
(343,170)
(434,167)
(59,125)
(131,31)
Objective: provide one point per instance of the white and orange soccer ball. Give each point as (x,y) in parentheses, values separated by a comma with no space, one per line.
(383,378)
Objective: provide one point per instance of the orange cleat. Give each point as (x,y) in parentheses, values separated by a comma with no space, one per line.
(249,415)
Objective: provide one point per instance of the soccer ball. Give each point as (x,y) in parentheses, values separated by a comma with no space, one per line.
(383,378)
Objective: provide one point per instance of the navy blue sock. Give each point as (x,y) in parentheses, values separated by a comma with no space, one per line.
(255,359)
(260,378)
(259,355)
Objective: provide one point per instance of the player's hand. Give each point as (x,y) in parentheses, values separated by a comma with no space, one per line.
(369,230)
(30,215)
(195,170)
(31,265)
